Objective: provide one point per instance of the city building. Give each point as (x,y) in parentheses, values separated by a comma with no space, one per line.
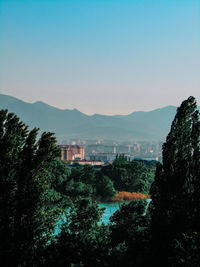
(90,162)
(72,152)
(108,157)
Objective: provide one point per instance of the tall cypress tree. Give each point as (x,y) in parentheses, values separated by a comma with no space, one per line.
(27,217)
(175,194)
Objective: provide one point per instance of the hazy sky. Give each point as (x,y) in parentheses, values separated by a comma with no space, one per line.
(105,56)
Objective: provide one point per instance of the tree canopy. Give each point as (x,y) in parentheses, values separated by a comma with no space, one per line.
(131,176)
(175,207)
(27,215)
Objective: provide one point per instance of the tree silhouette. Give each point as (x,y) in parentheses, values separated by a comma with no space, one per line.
(27,216)
(175,207)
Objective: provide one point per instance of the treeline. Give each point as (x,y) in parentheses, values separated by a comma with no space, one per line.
(37,191)
(103,184)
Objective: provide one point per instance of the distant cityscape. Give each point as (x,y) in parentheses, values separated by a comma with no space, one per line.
(101,152)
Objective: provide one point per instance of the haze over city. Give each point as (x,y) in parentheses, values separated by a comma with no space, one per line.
(108,57)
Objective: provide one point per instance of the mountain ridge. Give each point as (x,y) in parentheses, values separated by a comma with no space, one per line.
(71,123)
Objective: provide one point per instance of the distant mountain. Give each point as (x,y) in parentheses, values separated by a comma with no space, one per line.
(140,125)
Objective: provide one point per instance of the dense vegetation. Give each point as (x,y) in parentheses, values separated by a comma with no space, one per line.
(37,190)
(103,184)
(131,176)
(175,209)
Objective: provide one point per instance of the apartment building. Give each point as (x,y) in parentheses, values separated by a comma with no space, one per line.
(72,152)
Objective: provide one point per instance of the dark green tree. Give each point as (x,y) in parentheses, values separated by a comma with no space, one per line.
(74,189)
(27,216)
(59,174)
(104,187)
(85,181)
(130,231)
(85,174)
(82,241)
(185,251)
(80,182)
(175,207)
(131,176)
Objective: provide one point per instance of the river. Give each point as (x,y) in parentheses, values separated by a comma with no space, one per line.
(110,209)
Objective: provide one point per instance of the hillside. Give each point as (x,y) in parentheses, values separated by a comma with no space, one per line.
(152,125)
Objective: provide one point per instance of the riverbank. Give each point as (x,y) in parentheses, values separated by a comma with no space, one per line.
(123,196)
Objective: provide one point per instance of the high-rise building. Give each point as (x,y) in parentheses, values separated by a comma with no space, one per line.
(72,152)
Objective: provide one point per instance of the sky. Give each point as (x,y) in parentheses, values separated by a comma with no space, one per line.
(100,56)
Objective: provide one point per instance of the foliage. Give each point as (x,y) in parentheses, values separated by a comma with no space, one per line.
(104,187)
(85,181)
(82,181)
(82,240)
(175,206)
(27,214)
(121,196)
(186,250)
(130,226)
(131,176)
(59,175)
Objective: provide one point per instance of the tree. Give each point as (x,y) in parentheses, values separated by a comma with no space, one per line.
(175,207)
(130,228)
(27,216)
(82,241)
(104,187)
(59,175)
(131,176)
(80,182)
(185,251)
(85,181)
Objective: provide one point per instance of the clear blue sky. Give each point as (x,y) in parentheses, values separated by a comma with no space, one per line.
(106,56)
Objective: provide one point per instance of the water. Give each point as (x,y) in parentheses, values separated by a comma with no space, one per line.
(110,209)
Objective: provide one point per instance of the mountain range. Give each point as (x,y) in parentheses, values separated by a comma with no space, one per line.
(139,126)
